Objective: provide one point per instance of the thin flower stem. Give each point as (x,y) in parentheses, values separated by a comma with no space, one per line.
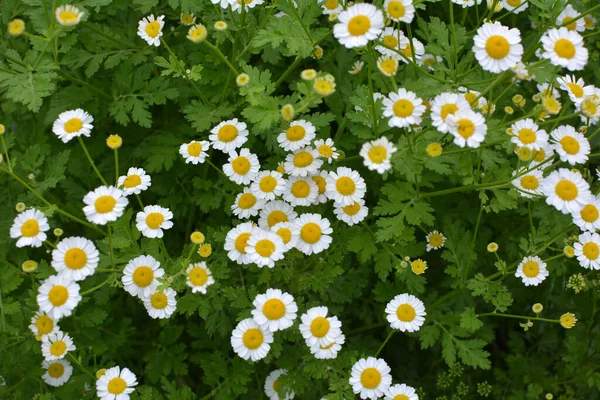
(306,30)
(221,56)
(87,85)
(387,339)
(49,244)
(293,65)
(466,276)
(216,168)
(76,361)
(6,153)
(260,28)
(109,37)
(556,321)
(110,247)
(139,199)
(87,154)
(116,167)
(453,30)
(92,290)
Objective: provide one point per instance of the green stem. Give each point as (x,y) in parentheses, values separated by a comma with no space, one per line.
(306,30)
(221,56)
(466,276)
(219,170)
(6,152)
(107,36)
(87,85)
(110,278)
(87,154)
(556,321)
(72,358)
(387,339)
(293,65)
(116,167)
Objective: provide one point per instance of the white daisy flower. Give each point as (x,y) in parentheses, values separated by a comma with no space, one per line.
(242,168)
(588,218)
(546,89)
(303,162)
(545,152)
(161,304)
(444,105)
(497,48)
(135,182)
(587,250)
(404,109)
(576,88)
(267,185)
(370,378)
(58,372)
(532,271)
(152,220)
(405,312)
(73,123)
(246,204)
(516,6)
(250,341)
(390,38)
(526,133)
(345,186)
(356,68)
(430,60)
(299,134)
(321,180)
(589,107)
(387,65)
(272,383)
(401,392)
(58,296)
(412,52)
(529,184)
(55,346)
(565,48)
(116,384)
(274,310)
(42,324)
(326,149)
(319,329)
(566,190)
(435,240)
(236,242)
(377,154)
(352,214)
(399,10)
(473,98)
(358,24)
(104,204)
(150,29)
(68,15)
(30,228)
(75,258)
(521,72)
(275,212)
(328,351)
(199,277)
(332,7)
(229,135)
(570,14)
(571,146)
(264,248)
(314,233)
(468,128)
(139,276)
(194,152)
(289,234)
(300,191)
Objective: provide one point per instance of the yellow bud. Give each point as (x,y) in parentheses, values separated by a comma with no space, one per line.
(20,207)
(197,237)
(16,27)
(308,74)
(29,266)
(434,149)
(114,141)
(288,112)
(509,110)
(205,250)
(242,79)
(220,25)
(492,247)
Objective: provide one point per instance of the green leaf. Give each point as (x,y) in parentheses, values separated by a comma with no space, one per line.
(469,320)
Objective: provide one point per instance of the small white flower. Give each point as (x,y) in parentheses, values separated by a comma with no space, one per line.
(150,29)
(300,191)
(229,135)
(570,14)
(139,276)
(370,378)
(571,146)
(515,6)
(566,190)
(352,214)
(58,296)
(135,182)
(303,162)
(468,128)
(314,233)
(319,329)
(328,351)
(42,324)
(236,242)
(272,383)
(565,48)
(326,149)
(321,180)
(529,184)
(406,312)
(526,133)
(588,218)
(288,232)
(194,152)
(358,24)
(73,123)
(299,134)
(199,277)
(497,48)
(116,384)
(75,258)
(404,108)
(152,220)
(267,185)
(274,212)
(575,87)
(68,15)
(242,168)
(444,105)
(161,304)
(532,271)
(58,372)
(274,310)
(250,341)
(377,154)
(55,346)
(345,186)
(587,250)
(265,248)
(391,42)
(246,204)
(435,240)
(399,10)
(104,204)
(401,391)
(30,228)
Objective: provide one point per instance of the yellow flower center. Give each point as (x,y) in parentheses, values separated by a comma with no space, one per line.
(253,338)
(30,228)
(276,385)
(325,150)
(352,209)
(370,378)
(407,51)
(44,324)
(56,370)
(116,385)
(530,182)
(566,190)
(589,213)
(575,89)
(403,108)
(153,29)
(311,233)
(58,295)
(67,17)
(434,149)
(448,109)
(143,276)
(389,66)
(514,3)
(321,183)
(359,25)
(567,320)
(295,133)
(395,9)
(268,184)
(436,240)
(285,234)
(159,300)
(345,186)
(401,397)
(564,48)
(265,247)
(331,4)
(274,309)
(198,276)
(75,258)
(58,348)
(527,136)
(540,155)
(568,24)
(132,181)
(246,201)
(470,97)
(194,149)
(242,242)
(589,107)
(378,154)
(570,145)
(154,220)
(303,159)
(531,269)
(319,327)
(406,313)
(227,133)
(300,189)
(205,250)
(466,128)
(418,267)
(323,87)
(16,27)
(187,18)
(590,250)
(390,41)
(105,204)
(241,165)
(277,216)
(497,47)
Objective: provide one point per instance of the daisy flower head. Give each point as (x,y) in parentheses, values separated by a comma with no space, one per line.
(370,378)
(399,10)
(332,7)
(321,180)
(528,184)
(576,88)
(68,15)
(345,186)
(197,33)
(571,146)
(194,152)
(104,204)
(497,48)
(564,48)
(274,212)
(401,392)
(42,324)
(152,220)
(403,108)
(516,6)
(328,351)
(16,27)
(377,154)
(75,258)
(288,232)
(358,24)
(532,271)
(319,329)
(236,242)
(272,383)
(351,214)
(406,312)
(250,341)
(264,248)
(356,68)
(199,277)
(300,191)
(116,384)
(58,372)
(246,204)
(589,107)
(589,22)
(413,50)
(314,233)
(468,128)
(58,296)
(229,135)
(29,228)
(150,29)
(435,240)
(570,14)
(55,346)
(187,19)
(73,123)
(566,190)
(544,153)
(326,149)
(324,85)
(443,105)
(236,5)
(388,65)
(140,276)
(242,168)
(390,39)
(521,72)
(526,133)
(161,304)
(568,320)
(587,250)
(274,310)
(303,162)
(430,60)
(588,218)
(135,182)
(298,135)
